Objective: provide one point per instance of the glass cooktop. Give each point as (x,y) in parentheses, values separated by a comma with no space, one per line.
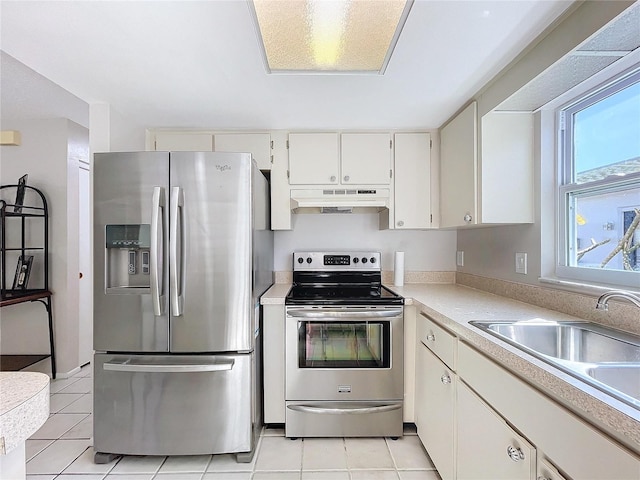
(341,295)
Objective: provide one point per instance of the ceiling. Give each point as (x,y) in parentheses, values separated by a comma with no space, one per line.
(197,64)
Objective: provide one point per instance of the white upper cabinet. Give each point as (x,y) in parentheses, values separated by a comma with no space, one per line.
(314,158)
(366,159)
(412,181)
(257,144)
(333,159)
(183,142)
(486,169)
(506,190)
(458,169)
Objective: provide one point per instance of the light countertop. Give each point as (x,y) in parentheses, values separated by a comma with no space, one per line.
(24,406)
(275,295)
(453,306)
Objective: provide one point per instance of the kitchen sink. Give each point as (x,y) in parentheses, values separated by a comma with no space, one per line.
(625,378)
(603,357)
(576,341)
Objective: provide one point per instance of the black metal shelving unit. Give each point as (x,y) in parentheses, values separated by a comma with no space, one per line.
(25,217)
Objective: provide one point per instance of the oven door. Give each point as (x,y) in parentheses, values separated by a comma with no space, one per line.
(344,353)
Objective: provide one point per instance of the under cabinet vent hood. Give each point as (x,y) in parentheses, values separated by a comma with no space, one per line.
(340,200)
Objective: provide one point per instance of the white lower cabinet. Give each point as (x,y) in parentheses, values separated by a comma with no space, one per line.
(488,448)
(435,410)
(579,450)
(478,421)
(273,363)
(546,471)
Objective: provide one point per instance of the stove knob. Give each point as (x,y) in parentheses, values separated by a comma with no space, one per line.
(373,260)
(308,259)
(364,260)
(300,259)
(356,259)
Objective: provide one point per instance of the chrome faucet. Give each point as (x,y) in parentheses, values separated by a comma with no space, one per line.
(603,301)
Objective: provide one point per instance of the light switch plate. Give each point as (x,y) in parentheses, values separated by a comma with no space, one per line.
(460,259)
(521,263)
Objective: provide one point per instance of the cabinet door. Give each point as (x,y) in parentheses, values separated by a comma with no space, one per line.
(488,448)
(314,159)
(435,410)
(366,159)
(546,471)
(184,142)
(257,144)
(412,167)
(273,363)
(458,170)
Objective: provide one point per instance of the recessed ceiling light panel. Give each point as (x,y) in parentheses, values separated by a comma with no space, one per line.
(329,36)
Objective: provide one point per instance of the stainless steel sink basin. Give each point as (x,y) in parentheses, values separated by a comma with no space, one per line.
(576,342)
(625,378)
(603,357)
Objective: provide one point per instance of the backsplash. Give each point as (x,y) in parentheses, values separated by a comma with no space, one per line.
(420,277)
(621,315)
(387,277)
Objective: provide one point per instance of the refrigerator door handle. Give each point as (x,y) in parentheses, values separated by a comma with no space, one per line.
(177,253)
(155,368)
(156,261)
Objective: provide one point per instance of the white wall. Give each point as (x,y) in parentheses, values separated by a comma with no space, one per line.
(425,250)
(25,95)
(49,153)
(53,124)
(125,136)
(113,132)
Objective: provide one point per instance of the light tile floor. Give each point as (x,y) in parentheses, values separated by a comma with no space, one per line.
(62,450)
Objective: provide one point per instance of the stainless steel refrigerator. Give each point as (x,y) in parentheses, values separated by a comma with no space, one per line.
(182,252)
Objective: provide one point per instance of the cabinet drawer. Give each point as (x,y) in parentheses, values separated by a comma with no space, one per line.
(438,340)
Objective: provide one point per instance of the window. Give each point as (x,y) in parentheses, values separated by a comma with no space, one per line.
(599,194)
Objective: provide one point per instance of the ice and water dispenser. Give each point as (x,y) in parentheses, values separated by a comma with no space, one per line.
(128,258)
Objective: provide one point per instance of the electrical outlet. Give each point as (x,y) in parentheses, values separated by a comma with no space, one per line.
(521,263)
(460,259)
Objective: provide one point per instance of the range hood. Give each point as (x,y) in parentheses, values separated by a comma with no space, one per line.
(340,200)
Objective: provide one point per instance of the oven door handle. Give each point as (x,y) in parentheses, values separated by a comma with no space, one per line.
(345,313)
(344,411)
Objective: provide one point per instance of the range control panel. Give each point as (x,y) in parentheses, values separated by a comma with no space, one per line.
(336,261)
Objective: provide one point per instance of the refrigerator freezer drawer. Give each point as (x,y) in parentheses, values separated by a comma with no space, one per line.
(172,405)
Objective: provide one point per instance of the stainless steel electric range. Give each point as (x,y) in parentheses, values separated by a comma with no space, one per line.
(344,348)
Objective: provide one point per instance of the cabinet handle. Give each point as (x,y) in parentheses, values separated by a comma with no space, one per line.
(400,223)
(515,454)
(468,218)
(445,379)
(346,178)
(332,178)
(431,337)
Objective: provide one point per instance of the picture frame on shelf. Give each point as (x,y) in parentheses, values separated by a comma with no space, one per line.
(23,269)
(22,181)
